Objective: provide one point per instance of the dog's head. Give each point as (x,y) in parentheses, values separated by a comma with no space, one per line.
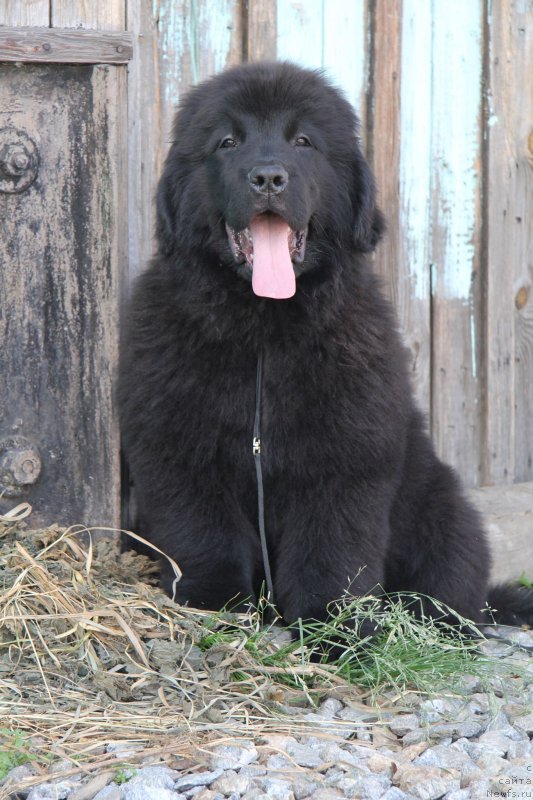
(266,171)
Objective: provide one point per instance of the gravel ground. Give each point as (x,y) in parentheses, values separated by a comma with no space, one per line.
(472,744)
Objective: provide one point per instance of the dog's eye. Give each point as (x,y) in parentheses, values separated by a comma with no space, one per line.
(228,141)
(302,141)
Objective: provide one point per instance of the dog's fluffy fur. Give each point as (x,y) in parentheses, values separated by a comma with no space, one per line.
(355,496)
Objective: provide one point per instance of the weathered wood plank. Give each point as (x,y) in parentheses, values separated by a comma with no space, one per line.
(300,28)
(400,146)
(29,12)
(508,516)
(412,291)
(62,246)
(100,14)
(457,57)
(145,138)
(196,39)
(509,243)
(261,30)
(331,36)
(384,133)
(345,54)
(65,46)
(176,45)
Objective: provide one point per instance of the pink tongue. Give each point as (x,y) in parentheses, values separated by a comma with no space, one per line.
(273,273)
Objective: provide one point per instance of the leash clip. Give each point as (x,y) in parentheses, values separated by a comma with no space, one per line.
(256,446)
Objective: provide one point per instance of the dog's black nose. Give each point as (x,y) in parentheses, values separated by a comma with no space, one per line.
(268,179)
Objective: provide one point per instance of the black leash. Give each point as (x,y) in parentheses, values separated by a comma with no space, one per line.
(256,449)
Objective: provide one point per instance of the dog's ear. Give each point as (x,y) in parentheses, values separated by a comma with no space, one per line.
(368,221)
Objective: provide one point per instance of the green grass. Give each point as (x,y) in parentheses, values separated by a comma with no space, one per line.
(523,580)
(122,776)
(14,750)
(405,653)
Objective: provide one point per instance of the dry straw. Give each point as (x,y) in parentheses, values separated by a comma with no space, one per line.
(97,664)
(92,653)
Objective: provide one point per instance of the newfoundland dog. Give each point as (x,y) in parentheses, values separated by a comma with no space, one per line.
(265,405)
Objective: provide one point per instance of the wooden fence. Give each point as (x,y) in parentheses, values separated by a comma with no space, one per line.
(444,92)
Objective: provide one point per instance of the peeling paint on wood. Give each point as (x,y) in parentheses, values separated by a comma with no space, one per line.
(455,228)
(415,144)
(328,34)
(457,57)
(195,39)
(300,34)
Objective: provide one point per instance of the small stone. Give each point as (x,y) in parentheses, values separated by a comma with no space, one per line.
(330,707)
(255,795)
(372,788)
(525,723)
(140,791)
(277,789)
(58,767)
(277,741)
(497,742)
(303,788)
(162,776)
(514,775)
(456,730)
(358,752)
(470,772)
(59,790)
(331,753)
(253,770)
(380,764)
(278,763)
(461,744)
(394,794)
(513,710)
(232,782)
(490,764)
(413,751)
(432,710)
(468,684)
(479,790)
(17,775)
(304,755)
(206,794)
(335,774)
(197,779)
(426,783)
(326,793)
(520,749)
(109,792)
(415,737)
(500,723)
(443,758)
(349,786)
(404,723)
(233,756)
(479,703)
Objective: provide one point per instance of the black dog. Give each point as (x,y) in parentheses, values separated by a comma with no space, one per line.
(266,211)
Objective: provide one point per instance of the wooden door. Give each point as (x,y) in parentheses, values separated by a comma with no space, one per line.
(62,253)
